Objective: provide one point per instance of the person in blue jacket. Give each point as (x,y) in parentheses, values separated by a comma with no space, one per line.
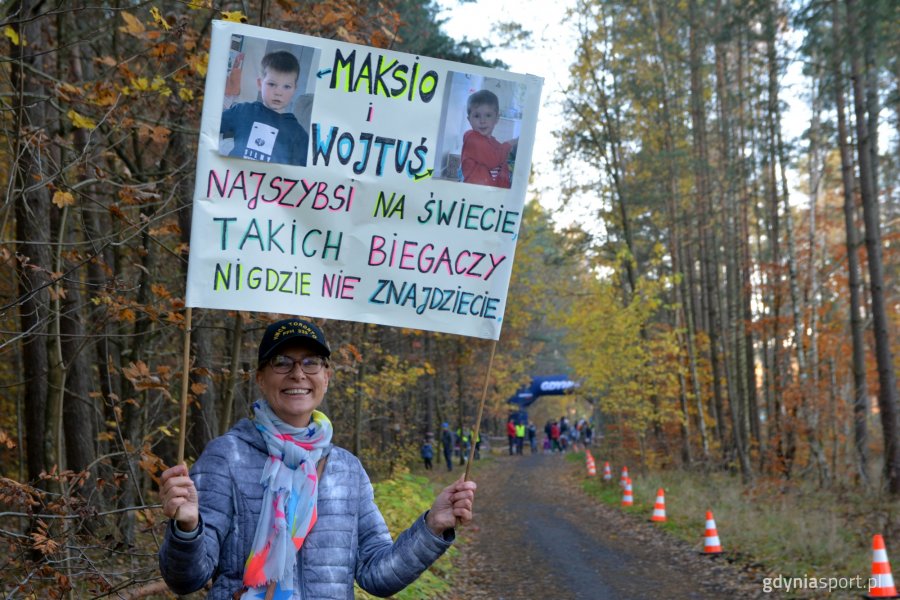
(267,130)
(274,509)
(427,450)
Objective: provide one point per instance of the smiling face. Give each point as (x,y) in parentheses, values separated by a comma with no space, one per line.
(294,396)
(483,118)
(277,89)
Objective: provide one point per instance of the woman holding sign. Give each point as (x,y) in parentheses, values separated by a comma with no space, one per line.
(273,510)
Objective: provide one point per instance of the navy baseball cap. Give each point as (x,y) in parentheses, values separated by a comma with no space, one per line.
(294,330)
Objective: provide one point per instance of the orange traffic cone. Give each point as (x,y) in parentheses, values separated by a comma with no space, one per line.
(711,543)
(623,477)
(627,497)
(881,585)
(607,474)
(659,509)
(591,466)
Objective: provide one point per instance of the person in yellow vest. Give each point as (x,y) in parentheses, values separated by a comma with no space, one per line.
(464,436)
(520,437)
(477,445)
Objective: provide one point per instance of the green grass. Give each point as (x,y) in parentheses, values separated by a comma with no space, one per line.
(402,499)
(788,528)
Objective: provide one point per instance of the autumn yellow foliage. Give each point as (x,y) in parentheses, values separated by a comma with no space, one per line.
(623,358)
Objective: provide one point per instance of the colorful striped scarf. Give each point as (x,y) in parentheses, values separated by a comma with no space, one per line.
(291,489)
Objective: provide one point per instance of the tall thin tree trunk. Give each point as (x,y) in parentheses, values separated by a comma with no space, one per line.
(204,414)
(812,362)
(683,318)
(784,429)
(746,308)
(793,271)
(887,392)
(709,274)
(78,407)
(358,399)
(432,390)
(766,300)
(797,407)
(32,211)
(872,23)
(689,298)
(82,413)
(854,280)
(231,381)
(732,342)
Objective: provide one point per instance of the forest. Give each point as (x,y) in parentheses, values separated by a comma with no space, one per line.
(763,305)
(733,307)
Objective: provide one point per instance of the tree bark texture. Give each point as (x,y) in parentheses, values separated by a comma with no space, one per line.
(32,210)
(857,327)
(887,380)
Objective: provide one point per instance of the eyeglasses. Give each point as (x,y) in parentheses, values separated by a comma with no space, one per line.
(309,364)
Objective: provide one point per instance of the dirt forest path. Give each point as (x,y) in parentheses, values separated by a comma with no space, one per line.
(536,534)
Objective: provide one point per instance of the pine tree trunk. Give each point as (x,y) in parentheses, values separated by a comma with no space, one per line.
(683,321)
(78,407)
(815,169)
(732,342)
(358,400)
(887,392)
(32,212)
(82,335)
(743,239)
(763,228)
(709,276)
(229,389)
(783,430)
(857,331)
(204,412)
(872,19)
(430,424)
(797,309)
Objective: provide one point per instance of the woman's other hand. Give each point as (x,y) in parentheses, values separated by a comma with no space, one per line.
(452,506)
(179,498)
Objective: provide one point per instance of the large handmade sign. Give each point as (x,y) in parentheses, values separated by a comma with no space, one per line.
(342,181)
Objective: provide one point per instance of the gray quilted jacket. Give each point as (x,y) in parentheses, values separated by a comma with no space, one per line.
(349,541)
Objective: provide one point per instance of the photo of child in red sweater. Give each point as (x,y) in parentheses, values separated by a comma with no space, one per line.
(484,159)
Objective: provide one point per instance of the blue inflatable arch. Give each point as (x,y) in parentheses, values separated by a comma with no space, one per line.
(545,385)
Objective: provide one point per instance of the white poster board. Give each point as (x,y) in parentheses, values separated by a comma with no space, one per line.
(389,212)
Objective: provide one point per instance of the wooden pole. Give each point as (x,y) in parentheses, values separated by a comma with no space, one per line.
(185,380)
(487,379)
